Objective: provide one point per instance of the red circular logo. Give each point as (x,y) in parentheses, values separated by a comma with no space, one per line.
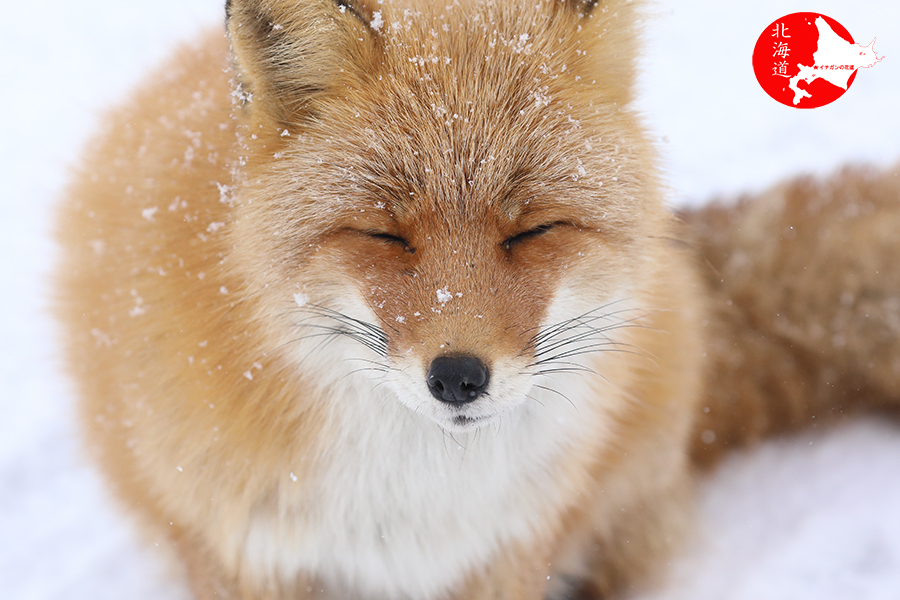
(807,60)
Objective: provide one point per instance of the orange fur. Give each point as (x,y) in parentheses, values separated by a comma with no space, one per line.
(805,312)
(449,180)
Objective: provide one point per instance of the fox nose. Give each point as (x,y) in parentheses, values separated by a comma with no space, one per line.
(457,379)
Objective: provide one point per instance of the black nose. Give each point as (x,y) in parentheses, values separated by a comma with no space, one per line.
(457,379)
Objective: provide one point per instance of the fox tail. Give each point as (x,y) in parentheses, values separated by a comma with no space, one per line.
(804,316)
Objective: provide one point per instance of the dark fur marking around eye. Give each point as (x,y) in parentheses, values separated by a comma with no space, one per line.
(509,242)
(394,239)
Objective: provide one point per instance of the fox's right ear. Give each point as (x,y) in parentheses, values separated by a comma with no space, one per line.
(289,54)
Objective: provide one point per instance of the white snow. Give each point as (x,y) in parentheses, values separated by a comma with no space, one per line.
(813,516)
(377,21)
(444,296)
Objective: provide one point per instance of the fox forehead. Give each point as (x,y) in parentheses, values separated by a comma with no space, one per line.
(477,121)
(464,119)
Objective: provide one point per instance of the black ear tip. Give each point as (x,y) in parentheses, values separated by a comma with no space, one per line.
(227,9)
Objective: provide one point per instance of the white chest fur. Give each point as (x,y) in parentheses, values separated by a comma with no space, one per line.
(403,510)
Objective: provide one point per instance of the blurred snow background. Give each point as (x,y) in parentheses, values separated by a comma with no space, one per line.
(815,516)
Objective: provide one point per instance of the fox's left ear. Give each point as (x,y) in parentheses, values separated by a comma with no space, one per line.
(292,54)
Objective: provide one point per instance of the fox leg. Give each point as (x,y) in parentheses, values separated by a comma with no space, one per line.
(521,574)
(606,549)
(606,555)
(208,584)
(210,581)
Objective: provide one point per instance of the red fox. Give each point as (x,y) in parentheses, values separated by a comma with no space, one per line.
(381,300)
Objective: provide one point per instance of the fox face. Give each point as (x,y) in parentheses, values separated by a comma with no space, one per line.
(456,223)
(409,223)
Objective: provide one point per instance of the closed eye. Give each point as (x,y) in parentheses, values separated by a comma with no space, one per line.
(394,239)
(509,242)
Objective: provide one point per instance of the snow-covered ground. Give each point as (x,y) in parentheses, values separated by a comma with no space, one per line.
(816,516)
